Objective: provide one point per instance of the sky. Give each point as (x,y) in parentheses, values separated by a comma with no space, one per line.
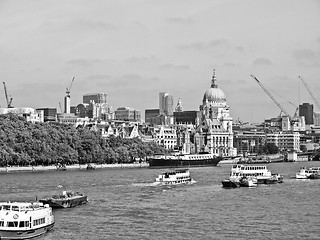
(134,49)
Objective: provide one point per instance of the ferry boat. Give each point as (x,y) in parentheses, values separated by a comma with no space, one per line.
(178,176)
(19,220)
(261,173)
(306,173)
(67,199)
(189,160)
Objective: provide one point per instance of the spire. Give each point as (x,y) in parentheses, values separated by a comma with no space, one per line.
(179,107)
(214,80)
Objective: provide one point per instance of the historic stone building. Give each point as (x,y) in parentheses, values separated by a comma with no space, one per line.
(214,125)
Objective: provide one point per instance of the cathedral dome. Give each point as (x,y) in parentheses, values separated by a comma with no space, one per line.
(214,94)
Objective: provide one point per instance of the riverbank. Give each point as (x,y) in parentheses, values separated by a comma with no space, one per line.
(71,167)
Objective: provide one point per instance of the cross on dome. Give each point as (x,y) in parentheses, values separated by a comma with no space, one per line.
(214,80)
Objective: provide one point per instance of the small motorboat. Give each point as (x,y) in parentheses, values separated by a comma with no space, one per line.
(314,176)
(248,182)
(228,183)
(67,199)
(305,173)
(91,167)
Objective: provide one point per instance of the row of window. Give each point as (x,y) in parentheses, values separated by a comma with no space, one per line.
(38,221)
(15,224)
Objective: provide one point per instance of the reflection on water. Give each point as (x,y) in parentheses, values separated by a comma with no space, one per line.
(127,204)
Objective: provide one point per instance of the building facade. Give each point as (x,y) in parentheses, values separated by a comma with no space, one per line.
(166,137)
(149,114)
(49,114)
(127,114)
(285,140)
(185,117)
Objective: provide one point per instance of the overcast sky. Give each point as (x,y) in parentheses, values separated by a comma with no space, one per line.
(134,49)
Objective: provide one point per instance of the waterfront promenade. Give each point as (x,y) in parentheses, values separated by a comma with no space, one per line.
(71,167)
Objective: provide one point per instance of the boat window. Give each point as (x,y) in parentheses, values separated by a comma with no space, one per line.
(24,224)
(6,207)
(1,223)
(15,208)
(12,224)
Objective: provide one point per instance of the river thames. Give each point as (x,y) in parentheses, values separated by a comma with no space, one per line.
(125,204)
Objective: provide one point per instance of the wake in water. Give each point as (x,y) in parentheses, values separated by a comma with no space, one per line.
(145,184)
(153,184)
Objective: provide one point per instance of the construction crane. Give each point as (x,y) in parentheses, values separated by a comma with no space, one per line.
(310,92)
(69,89)
(273,99)
(9,101)
(60,107)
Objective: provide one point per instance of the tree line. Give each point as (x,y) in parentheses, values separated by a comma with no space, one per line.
(23,143)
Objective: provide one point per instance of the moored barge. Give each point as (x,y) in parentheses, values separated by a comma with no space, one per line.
(190,160)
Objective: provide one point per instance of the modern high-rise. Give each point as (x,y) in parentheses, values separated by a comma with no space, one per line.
(96,97)
(149,114)
(306,110)
(166,103)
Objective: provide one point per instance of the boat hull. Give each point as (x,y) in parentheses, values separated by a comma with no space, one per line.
(163,162)
(25,234)
(314,176)
(65,203)
(230,184)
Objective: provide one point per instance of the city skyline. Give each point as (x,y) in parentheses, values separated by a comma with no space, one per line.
(133,50)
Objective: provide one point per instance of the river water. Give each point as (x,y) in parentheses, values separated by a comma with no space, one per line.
(125,204)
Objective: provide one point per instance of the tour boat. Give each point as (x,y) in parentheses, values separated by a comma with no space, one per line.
(19,220)
(306,173)
(178,176)
(261,173)
(67,199)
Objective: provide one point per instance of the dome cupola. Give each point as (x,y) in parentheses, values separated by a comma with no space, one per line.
(214,94)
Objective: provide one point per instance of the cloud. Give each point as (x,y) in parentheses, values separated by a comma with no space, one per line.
(304,54)
(229,64)
(180,20)
(89,25)
(135,59)
(133,81)
(173,66)
(82,62)
(262,61)
(200,46)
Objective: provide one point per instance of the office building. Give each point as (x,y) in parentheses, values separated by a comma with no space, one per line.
(49,114)
(127,114)
(166,103)
(306,110)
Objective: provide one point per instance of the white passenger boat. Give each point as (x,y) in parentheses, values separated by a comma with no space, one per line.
(24,220)
(261,173)
(305,173)
(174,177)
